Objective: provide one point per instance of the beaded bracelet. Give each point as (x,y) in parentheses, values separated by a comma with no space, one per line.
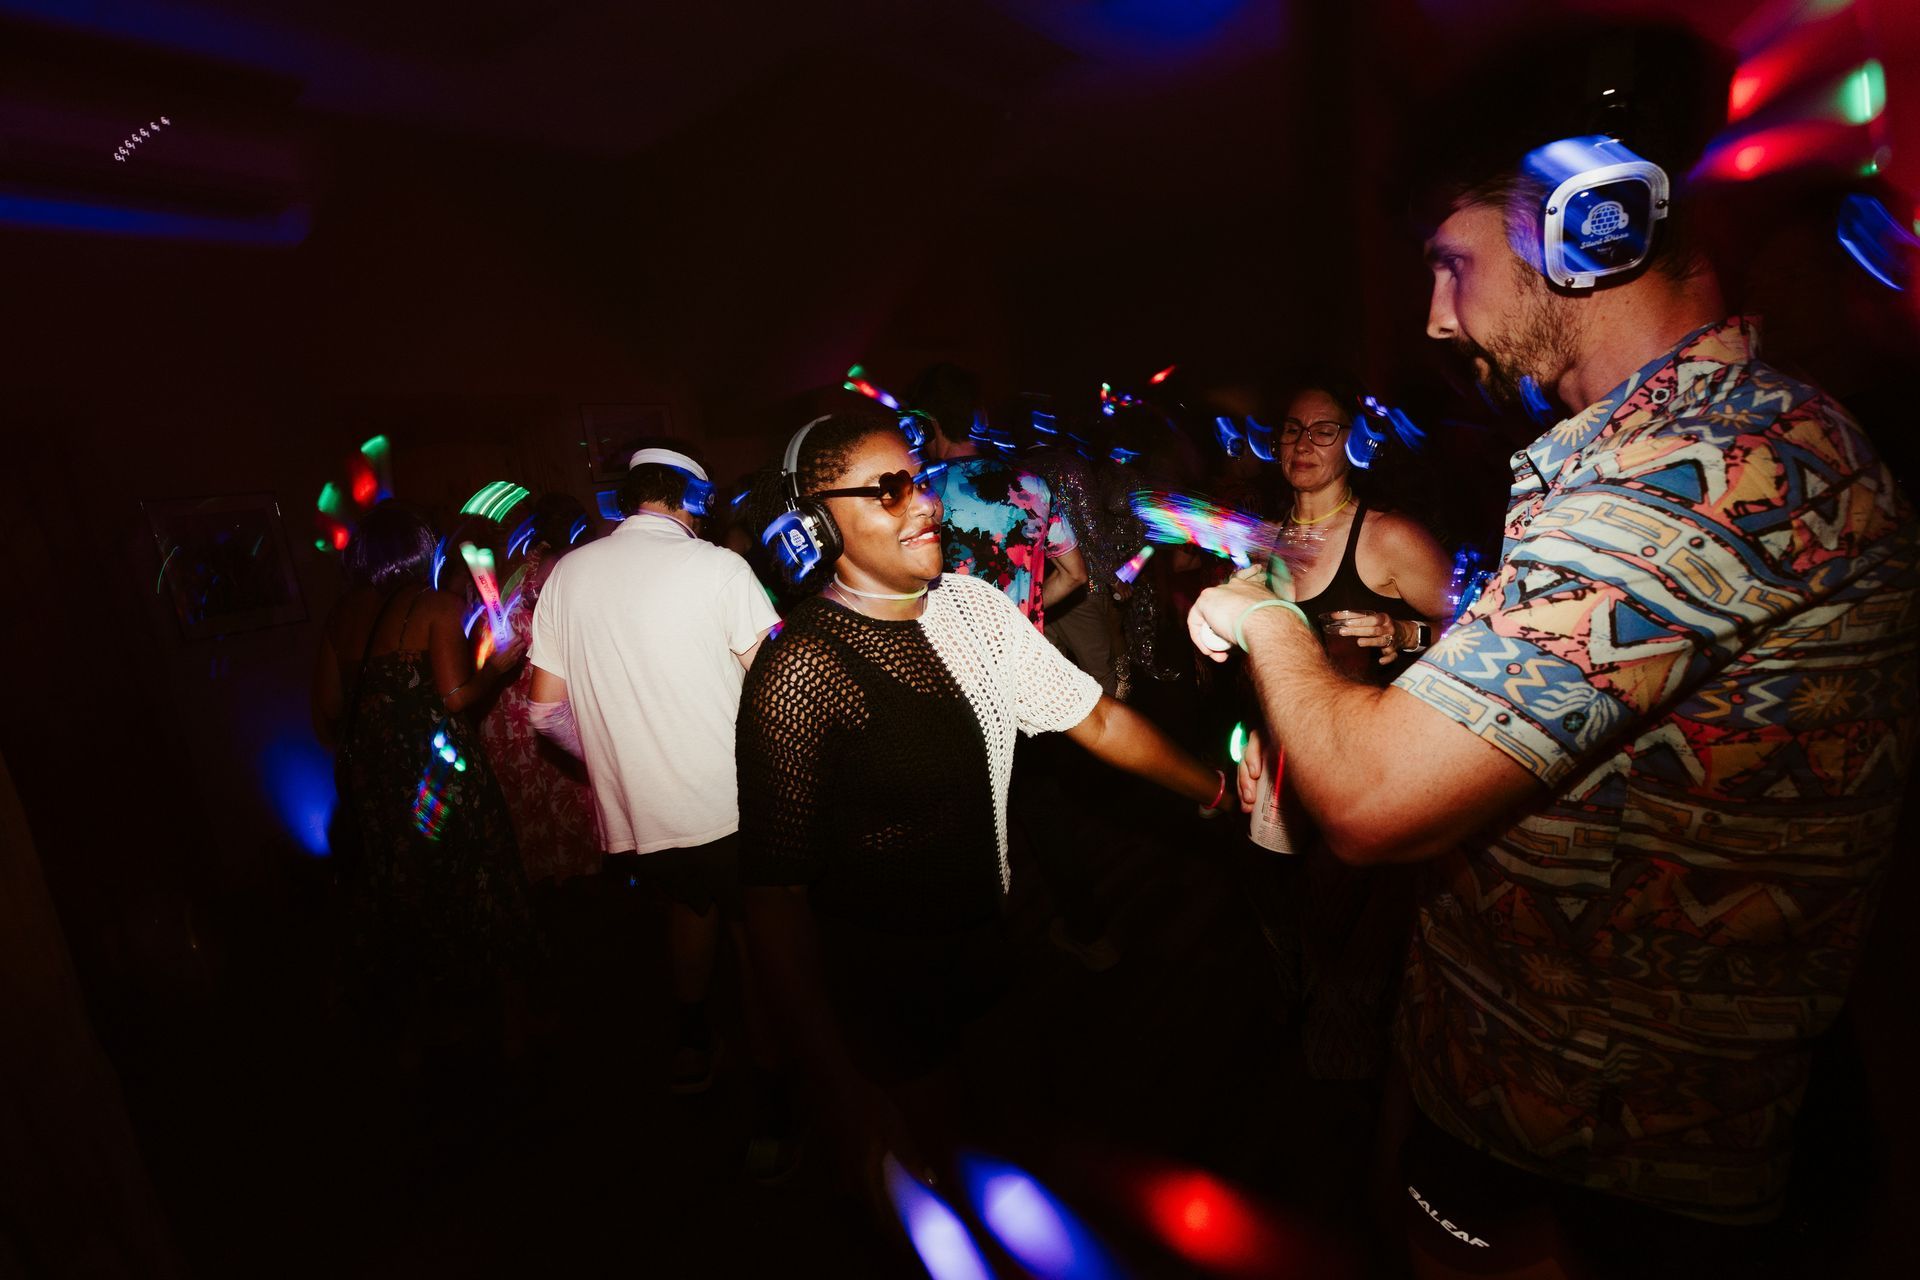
(1240,623)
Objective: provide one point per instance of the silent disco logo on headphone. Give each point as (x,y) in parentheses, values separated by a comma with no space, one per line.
(1606,222)
(796,540)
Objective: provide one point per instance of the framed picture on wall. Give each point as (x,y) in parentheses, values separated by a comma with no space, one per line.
(225,565)
(614,431)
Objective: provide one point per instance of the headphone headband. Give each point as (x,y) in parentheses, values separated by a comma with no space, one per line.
(791,463)
(668,458)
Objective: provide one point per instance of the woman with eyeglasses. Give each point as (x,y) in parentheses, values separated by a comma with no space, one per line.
(875,745)
(1375,582)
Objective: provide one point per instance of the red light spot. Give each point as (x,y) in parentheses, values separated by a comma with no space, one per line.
(366,487)
(1209,1223)
(1162,376)
(1747,159)
(340,537)
(1746,87)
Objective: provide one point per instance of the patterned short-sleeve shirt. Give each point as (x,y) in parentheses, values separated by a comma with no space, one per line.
(1702,641)
(1002,526)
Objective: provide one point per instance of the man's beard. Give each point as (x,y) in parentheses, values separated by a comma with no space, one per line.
(1540,344)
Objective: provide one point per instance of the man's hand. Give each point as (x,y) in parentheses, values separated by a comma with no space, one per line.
(1211,620)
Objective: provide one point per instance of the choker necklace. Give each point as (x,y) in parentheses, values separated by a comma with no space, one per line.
(876,595)
(1317,519)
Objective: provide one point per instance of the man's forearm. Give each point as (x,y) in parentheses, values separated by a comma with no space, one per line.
(1329,726)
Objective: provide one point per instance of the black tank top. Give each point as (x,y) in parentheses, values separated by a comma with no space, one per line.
(1348,591)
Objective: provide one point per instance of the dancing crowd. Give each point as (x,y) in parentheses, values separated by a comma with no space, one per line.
(1581,862)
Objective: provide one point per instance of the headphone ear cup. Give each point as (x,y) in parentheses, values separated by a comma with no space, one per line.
(826,534)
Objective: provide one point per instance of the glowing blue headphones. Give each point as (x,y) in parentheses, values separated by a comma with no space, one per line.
(697,498)
(804,536)
(1598,214)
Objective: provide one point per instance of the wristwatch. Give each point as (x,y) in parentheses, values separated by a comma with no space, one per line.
(1422,637)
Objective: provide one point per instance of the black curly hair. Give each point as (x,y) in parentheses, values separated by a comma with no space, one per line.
(824,457)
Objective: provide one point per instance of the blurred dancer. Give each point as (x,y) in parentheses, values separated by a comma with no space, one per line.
(546,788)
(439,913)
(640,645)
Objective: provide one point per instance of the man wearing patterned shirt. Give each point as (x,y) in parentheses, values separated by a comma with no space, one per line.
(1660,758)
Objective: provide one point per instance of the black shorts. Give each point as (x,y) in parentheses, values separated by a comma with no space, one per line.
(1478,1214)
(696,877)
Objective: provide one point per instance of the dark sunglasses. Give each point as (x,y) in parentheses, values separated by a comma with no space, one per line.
(893,489)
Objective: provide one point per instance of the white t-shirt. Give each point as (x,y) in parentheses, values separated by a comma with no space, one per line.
(646,627)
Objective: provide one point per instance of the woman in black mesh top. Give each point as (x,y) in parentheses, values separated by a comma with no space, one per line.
(875,745)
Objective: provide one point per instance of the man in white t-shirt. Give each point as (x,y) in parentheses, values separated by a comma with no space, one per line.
(640,644)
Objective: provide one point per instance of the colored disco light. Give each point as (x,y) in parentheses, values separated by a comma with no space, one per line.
(1782,148)
(1111,401)
(1031,1223)
(331,501)
(430,804)
(935,1230)
(1162,376)
(1237,743)
(1786,48)
(1863,94)
(1130,571)
(576,529)
(1260,440)
(366,485)
(1179,519)
(521,538)
(1874,238)
(1227,436)
(480,565)
(493,501)
(377,451)
(1373,426)
(857,381)
(298,773)
(1210,1224)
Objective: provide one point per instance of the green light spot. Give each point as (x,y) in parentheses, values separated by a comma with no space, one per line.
(493,501)
(1870,168)
(1237,744)
(857,371)
(320,544)
(376,450)
(1863,94)
(332,502)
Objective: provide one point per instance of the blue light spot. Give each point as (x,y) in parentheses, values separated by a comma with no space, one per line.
(288,227)
(298,774)
(1040,1232)
(937,1233)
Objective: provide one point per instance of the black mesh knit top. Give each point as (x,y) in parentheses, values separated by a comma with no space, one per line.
(874,755)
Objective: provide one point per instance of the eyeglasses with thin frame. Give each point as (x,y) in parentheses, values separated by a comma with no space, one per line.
(1323,431)
(893,489)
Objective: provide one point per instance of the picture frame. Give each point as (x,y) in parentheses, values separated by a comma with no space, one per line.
(224,563)
(615,431)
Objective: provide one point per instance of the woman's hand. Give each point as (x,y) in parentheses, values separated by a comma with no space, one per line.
(502,661)
(1369,630)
